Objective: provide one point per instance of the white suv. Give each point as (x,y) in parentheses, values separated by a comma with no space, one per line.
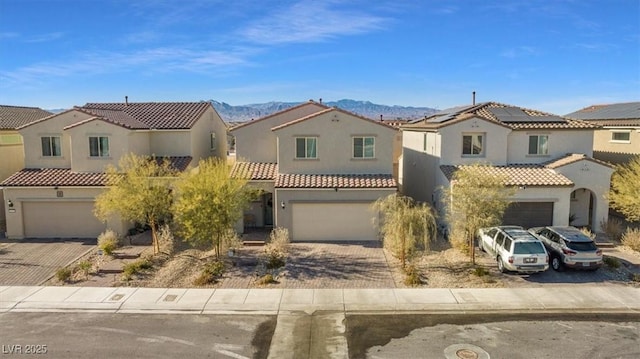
(514,249)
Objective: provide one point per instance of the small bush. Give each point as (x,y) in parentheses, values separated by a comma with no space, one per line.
(133,268)
(266,279)
(108,242)
(63,274)
(459,240)
(277,249)
(634,277)
(84,267)
(587,232)
(480,271)
(613,228)
(631,239)
(412,276)
(210,274)
(611,262)
(166,240)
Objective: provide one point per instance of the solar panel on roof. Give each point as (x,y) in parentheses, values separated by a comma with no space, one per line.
(447,114)
(517,115)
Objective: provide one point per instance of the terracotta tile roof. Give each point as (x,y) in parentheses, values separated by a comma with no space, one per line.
(530,119)
(518,175)
(335,181)
(45,177)
(255,171)
(12,117)
(574,157)
(631,122)
(279,113)
(331,109)
(153,115)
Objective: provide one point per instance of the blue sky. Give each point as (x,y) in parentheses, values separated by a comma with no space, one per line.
(556,56)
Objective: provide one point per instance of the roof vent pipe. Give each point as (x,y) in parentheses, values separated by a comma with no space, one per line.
(474,98)
(126,100)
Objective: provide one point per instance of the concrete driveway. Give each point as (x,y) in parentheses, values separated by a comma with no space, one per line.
(33,261)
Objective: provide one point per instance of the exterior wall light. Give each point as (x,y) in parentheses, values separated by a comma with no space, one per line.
(282,204)
(10,203)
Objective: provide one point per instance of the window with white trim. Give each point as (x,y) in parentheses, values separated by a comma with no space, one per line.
(306,147)
(364,147)
(51,146)
(472,144)
(538,145)
(621,136)
(99,146)
(212,141)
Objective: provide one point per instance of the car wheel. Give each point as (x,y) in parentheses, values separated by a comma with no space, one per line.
(501,267)
(556,263)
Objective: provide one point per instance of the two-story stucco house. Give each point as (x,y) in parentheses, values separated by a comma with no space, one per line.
(547,157)
(66,155)
(618,140)
(11,148)
(320,169)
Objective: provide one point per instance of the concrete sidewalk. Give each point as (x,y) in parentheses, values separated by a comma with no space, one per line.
(602,298)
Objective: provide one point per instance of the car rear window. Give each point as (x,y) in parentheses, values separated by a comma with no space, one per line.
(528,248)
(582,246)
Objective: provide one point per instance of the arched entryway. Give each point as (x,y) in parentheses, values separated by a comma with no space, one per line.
(581,210)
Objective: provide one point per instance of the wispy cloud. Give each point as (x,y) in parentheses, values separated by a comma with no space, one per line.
(310,22)
(446,10)
(45,37)
(596,46)
(8,35)
(519,51)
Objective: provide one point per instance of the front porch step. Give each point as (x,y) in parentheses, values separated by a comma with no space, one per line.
(253,243)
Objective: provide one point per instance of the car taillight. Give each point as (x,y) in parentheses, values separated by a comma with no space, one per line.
(547,259)
(599,252)
(569,252)
(511,259)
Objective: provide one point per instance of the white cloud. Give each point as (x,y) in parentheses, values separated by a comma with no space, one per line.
(310,22)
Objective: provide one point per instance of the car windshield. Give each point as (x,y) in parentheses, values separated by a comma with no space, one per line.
(528,248)
(582,246)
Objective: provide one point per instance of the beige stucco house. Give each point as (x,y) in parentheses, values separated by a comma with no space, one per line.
(618,139)
(11,147)
(66,154)
(320,169)
(548,159)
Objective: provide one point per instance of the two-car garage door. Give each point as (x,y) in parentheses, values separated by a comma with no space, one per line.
(60,220)
(529,214)
(335,221)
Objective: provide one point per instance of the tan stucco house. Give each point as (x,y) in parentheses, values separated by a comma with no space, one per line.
(618,139)
(548,158)
(66,154)
(11,147)
(320,168)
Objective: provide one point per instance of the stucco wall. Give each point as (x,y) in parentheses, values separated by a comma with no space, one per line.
(602,140)
(419,165)
(257,143)
(560,143)
(52,127)
(495,142)
(171,142)
(15,225)
(334,131)
(200,135)
(81,161)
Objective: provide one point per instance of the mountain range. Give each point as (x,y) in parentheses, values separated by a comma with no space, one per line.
(242,113)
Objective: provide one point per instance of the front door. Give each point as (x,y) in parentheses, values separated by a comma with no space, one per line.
(268,208)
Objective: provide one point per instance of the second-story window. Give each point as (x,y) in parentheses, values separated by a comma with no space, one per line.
(51,146)
(538,145)
(472,144)
(99,146)
(306,147)
(212,141)
(364,147)
(621,136)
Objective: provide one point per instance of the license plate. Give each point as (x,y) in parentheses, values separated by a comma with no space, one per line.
(530,260)
(586,264)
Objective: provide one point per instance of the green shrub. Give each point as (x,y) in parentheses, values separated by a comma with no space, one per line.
(412,276)
(266,279)
(63,274)
(459,240)
(277,249)
(108,242)
(133,268)
(631,239)
(613,229)
(85,267)
(480,271)
(210,274)
(634,277)
(612,262)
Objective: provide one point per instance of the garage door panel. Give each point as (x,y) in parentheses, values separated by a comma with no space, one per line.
(333,222)
(529,214)
(60,220)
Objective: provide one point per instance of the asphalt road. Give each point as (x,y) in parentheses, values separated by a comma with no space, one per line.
(486,336)
(91,335)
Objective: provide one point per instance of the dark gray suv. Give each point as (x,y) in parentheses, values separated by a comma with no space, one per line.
(569,247)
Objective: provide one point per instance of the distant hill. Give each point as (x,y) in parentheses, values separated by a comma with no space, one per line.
(242,113)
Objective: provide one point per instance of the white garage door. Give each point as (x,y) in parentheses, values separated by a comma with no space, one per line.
(345,221)
(60,220)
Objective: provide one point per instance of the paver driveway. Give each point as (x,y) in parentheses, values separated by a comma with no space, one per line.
(32,261)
